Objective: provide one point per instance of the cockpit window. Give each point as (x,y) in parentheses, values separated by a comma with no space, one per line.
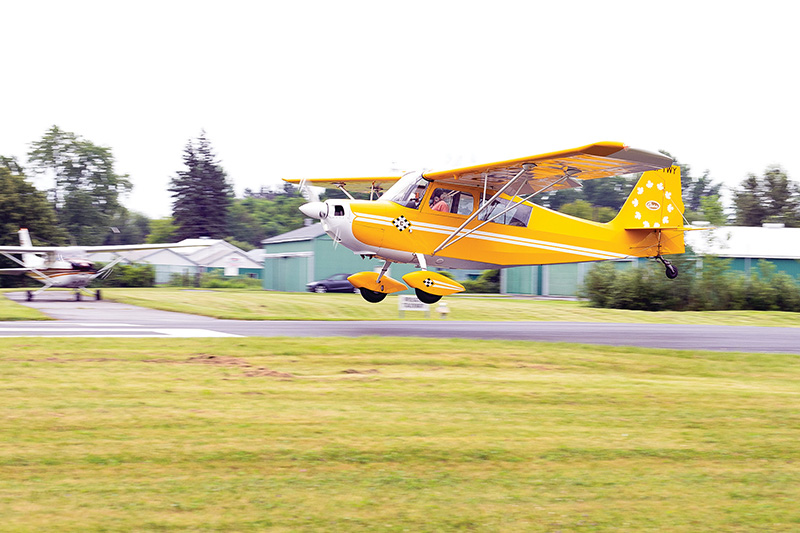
(450,201)
(408,191)
(518,215)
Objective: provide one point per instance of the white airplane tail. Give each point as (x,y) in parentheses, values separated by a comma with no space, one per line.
(30,260)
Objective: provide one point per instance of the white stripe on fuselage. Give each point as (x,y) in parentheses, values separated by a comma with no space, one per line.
(496,237)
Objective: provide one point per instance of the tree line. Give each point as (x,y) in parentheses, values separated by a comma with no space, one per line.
(83,203)
(769,198)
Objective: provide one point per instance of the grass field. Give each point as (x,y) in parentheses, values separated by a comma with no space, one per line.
(387,435)
(265,305)
(13,311)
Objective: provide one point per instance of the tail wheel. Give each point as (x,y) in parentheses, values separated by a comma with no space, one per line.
(426,297)
(372,296)
(671,271)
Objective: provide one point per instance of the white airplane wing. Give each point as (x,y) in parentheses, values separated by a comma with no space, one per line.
(95,249)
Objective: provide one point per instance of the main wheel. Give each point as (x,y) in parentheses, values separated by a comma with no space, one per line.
(372,296)
(98,295)
(426,297)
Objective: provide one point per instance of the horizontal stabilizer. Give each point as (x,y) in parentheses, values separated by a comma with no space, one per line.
(14,271)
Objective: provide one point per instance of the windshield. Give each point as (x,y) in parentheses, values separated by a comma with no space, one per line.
(408,191)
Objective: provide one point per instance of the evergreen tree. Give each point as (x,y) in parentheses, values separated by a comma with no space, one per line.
(201,194)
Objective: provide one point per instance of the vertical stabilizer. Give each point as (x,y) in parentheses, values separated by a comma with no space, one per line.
(29,260)
(25,238)
(654,203)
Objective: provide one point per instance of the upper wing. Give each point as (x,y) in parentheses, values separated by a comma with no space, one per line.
(364,185)
(597,160)
(93,249)
(29,249)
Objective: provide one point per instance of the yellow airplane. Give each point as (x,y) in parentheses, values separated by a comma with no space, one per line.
(481,217)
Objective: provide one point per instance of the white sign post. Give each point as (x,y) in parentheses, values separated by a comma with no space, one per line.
(407,302)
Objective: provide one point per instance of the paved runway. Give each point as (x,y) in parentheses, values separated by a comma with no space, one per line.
(109,319)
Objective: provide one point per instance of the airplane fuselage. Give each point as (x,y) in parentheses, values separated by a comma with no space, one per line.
(65,277)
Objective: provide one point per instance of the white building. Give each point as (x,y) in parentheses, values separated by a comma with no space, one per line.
(208,255)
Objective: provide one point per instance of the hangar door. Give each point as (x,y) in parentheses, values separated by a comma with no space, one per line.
(287,272)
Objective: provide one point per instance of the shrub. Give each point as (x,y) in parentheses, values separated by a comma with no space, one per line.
(487,282)
(136,275)
(713,287)
(598,284)
(214,280)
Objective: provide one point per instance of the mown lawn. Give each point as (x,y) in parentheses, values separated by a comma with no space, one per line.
(385,435)
(10,310)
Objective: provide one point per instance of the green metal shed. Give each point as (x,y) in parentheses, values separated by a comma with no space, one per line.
(308,254)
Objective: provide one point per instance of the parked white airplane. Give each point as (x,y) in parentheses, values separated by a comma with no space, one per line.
(67,267)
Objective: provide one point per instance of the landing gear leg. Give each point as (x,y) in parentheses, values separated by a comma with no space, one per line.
(670,270)
(29,296)
(98,295)
(371,296)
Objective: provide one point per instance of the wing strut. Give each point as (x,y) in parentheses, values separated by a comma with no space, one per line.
(340,186)
(451,239)
(46,280)
(478,211)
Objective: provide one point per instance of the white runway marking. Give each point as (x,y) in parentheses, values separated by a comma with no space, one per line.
(106,330)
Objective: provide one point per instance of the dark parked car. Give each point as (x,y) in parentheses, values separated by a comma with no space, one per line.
(335,283)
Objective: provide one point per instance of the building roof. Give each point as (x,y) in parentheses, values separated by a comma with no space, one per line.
(257,255)
(772,241)
(306,233)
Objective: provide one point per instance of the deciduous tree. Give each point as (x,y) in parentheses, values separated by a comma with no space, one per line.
(87,189)
(24,206)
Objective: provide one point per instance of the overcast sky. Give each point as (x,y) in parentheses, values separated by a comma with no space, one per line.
(336,89)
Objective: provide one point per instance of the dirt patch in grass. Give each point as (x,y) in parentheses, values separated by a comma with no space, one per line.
(220,360)
(228,361)
(267,373)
